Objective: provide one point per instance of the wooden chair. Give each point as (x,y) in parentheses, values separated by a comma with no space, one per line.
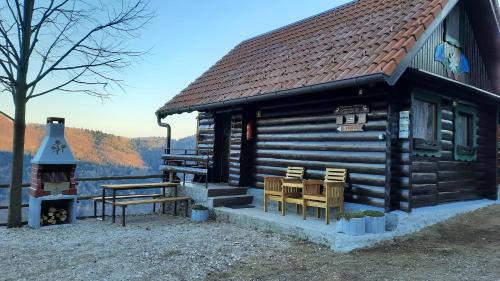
(327,193)
(273,185)
(292,187)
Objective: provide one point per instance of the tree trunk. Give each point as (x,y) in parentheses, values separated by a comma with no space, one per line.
(21,89)
(15,210)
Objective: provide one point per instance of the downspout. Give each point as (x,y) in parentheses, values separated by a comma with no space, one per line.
(169,131)
(169,138)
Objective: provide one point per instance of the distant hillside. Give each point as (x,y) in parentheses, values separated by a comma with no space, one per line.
(152,148)
(95,147)
(99,154)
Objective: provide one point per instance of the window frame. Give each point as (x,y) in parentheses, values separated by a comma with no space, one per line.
(464,153)
(420,146)
(457,42)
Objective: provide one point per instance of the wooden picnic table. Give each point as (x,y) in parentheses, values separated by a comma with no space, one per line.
(134,186)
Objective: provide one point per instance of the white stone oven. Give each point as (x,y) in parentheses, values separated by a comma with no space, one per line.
(53,193)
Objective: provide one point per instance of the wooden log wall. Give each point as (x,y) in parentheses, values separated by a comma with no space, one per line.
(206,132)
(235,149)
(400,154)
(305,134)
(436,180)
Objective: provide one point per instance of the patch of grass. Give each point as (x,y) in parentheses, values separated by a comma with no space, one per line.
(349,215)
(371,213)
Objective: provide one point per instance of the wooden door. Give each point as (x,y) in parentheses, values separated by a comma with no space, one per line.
(222,147)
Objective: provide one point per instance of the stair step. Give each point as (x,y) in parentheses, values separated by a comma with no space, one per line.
(226,191)
(231,200)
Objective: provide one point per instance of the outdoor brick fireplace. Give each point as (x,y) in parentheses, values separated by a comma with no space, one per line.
(53,193)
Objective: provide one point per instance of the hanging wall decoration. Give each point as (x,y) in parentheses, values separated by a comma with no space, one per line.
(453,60)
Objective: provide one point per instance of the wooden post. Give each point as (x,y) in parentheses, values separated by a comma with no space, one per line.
(103,203)
(113,207)
(123,215)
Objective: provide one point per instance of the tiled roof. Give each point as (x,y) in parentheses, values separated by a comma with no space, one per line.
(357,39)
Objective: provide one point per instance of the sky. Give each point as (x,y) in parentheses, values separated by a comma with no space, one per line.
(184,39)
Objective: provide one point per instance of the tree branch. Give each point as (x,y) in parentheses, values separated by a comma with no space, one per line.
(6,115)
(118,20)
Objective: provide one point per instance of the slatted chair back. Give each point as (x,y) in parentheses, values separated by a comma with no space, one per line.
(335,193)
(295,173)
(335,175)
(272,184)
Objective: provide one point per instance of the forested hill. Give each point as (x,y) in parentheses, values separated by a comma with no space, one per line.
(98,153)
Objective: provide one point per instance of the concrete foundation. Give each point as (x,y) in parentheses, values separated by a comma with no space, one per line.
(315,230)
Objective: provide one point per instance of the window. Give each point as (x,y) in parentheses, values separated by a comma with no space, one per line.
(426,112)
(454,27)
(465,133)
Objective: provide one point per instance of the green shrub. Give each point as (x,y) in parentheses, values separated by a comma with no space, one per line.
(199,207)
(357,215)
(341,215)
(349,215)
(371,213)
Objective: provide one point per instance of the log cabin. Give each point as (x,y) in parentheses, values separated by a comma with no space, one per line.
(402,93)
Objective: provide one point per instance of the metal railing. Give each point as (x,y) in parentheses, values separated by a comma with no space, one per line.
(188,158)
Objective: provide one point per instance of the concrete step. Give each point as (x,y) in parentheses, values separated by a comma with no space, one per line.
(229,200)
(226,191)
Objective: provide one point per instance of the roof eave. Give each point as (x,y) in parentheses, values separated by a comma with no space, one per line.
(334,85)
(426,74)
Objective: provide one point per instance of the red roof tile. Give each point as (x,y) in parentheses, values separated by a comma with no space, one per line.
(360,38)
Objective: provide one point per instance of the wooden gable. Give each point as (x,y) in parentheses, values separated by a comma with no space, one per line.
(452,52)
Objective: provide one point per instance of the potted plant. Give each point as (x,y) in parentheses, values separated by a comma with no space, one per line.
(375,221)
(351,223)
(199,213)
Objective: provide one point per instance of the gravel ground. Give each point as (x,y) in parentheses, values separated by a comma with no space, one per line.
(466,247)
(157,247)
(151,247)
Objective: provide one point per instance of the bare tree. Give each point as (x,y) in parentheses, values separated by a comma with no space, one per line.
(72,46)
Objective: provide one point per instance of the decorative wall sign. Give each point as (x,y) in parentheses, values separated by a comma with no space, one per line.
(404,124)
(352,109)
(351,117)
(361,118)
(351,128)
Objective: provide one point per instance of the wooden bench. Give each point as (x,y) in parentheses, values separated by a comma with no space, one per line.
(107,199)
(134,186)
(162,200)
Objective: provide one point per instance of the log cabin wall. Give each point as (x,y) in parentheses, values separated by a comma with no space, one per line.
(235,150)
(205,137)
(206,133)
(442,179)
(304,133)
(400,165)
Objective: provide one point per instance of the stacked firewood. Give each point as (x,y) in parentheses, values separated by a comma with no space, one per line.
(54,216)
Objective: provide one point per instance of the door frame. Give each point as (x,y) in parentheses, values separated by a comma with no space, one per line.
(222,147)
